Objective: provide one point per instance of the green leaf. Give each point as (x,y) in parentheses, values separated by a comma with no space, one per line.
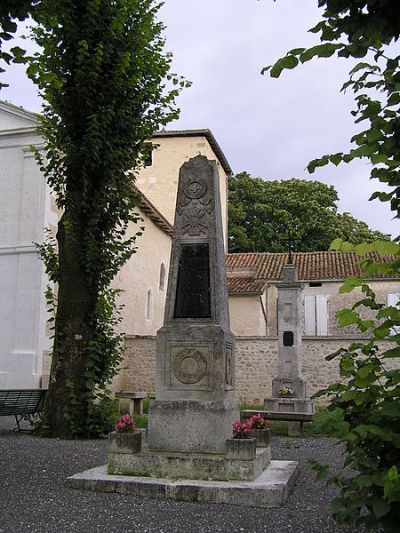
(336,158)
(347,317)
(321,50)
(391,354)
(350,283)
(380,508)
(336,244)
(287,62)
(386,247)
(391,408)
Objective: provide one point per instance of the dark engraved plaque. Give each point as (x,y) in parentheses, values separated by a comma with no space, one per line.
(193,285)
(288,339)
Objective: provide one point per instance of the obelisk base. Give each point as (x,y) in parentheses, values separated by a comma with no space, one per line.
(191,426)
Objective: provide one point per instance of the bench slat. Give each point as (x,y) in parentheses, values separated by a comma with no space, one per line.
(21,402)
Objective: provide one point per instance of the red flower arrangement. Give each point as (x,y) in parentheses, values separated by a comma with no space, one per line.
(125,425)
(256,422)
(240,429)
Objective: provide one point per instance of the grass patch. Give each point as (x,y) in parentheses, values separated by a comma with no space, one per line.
(140,421)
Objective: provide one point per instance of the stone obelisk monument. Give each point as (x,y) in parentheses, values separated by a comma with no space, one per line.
(189,445)
(194,406)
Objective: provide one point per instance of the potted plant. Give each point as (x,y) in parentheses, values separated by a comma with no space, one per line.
(125,438)
(242,445)
(258,430)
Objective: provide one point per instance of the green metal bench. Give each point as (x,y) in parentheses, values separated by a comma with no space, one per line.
(21,403)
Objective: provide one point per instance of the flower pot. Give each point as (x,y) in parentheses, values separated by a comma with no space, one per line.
(262,436)
(243,449)
(125,442)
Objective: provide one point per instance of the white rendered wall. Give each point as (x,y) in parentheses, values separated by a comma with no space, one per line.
(140,276)
(24,203)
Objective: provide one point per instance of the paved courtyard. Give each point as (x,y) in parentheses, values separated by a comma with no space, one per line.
(34,498)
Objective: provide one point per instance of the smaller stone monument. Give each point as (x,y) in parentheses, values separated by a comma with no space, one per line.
(289,399)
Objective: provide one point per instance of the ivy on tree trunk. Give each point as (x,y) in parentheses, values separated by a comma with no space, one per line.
(107,87)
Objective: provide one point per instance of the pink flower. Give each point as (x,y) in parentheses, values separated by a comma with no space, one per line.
(125,425)
(240,429)
(256,422)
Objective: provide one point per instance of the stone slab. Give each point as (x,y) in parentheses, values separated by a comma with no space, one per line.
(285,405)
(270,489)
(188,466)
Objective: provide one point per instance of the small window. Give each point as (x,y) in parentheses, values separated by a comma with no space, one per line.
(288,338)
(315,284)
(148,155)
(149,304)
(162,277)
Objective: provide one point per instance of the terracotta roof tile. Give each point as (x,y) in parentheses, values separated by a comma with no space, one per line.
(246,286)
(310,265)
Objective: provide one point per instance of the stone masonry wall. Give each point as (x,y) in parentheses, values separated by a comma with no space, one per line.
(256,365)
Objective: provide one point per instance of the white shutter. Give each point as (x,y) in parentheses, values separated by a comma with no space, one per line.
(322,314)
(309,314)
(393,299)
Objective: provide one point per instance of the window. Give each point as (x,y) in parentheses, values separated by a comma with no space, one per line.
(315,314)
(162,277)
(149,305)
(315,284)
(148,155)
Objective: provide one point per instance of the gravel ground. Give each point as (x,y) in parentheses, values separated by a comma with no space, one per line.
(34,498)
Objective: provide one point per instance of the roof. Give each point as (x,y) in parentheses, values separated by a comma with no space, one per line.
(19,111)
(263,267)
(245,286)
(153,213)
(199,133)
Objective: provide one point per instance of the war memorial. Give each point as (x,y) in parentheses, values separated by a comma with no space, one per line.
(188,453)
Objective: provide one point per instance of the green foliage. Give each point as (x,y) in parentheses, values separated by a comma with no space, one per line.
(141,421)
(365,411)
(363,29)
(10,11)
(365,405)
(107,87)
(261,213)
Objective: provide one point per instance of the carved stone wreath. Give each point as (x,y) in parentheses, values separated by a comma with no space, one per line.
(189,365)
(195,189)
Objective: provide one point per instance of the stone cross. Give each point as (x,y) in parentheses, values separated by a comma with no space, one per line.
(194,406)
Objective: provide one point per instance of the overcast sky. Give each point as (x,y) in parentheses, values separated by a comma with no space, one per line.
(268,127)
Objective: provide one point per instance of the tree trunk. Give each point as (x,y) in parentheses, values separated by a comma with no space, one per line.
(67,401)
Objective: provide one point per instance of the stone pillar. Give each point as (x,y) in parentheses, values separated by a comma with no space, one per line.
(290,326)
(195,368)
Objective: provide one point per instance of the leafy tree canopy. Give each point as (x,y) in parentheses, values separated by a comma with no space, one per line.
(10,12)
(262,213)
(107,86)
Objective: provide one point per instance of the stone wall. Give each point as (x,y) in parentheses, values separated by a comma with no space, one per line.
(256,365)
